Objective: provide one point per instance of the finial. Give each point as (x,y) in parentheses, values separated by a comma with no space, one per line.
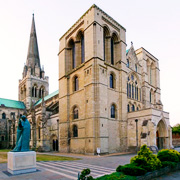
(131,43)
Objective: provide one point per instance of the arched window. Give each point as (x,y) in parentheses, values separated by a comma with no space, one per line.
(150,97)
(71,53)
(41,92)
(133,108)
(3,116)
(75,113)
(136,67)
(137,109)
(75,131)
(34,91)
(132,91)
(111,81)
(106,43)
(39,132)
(128,109)
(76,83)
(112,51)
(113,111)
(127,63)
(129,90)
(82,49)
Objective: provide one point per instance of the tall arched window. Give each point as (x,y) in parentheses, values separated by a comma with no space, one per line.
(129,90)
(128,109)
(106,44)
(150,97)
(82,49)
(113,111)
(41,92)
(132,91)
(136,67)
(75,131)
(39,132)
(34,91)
(3,116)
(76,83)
(127,63)
(112,51)
(111,81)
(73,55)
(75,113)
(133,108)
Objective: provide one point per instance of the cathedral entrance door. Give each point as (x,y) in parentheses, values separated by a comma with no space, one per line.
(161,134)
(54,143)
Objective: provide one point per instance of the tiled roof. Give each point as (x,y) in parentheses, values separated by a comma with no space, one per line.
(127,51)
(11,103)
(47,97)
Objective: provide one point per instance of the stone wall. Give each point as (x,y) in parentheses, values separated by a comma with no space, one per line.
(176,140)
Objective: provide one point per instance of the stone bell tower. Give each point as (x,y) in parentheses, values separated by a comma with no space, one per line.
(34,84)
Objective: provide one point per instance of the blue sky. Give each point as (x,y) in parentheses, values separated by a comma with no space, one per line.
(154,25)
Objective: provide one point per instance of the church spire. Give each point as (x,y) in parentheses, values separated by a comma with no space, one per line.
(33,59)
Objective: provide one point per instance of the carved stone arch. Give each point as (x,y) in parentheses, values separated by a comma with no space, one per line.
(115,36)
(78,35)
(161,134)
(106,29)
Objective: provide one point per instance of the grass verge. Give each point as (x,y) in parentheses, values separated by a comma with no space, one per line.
(39,157)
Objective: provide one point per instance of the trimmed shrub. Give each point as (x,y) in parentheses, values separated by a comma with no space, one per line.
(169,155)
(146,159)
(131,169)
(84,175)
(168,163)
(118,169)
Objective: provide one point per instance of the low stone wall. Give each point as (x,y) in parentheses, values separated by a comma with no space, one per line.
(176,140)
(157,173)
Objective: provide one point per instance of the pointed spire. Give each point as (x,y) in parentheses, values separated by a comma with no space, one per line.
(33,53)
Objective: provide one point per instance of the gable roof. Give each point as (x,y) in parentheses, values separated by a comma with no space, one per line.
(11,103)
(47,97)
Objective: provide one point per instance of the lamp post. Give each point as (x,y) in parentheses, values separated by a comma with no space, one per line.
(136,120)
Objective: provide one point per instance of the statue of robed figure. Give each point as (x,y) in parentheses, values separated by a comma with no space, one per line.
(23,135)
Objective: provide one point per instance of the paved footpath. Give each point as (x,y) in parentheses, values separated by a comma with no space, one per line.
(68,170)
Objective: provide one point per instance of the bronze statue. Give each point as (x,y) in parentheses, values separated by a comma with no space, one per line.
(23,135)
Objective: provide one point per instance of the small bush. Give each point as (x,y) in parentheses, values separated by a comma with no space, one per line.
(169,155)
(146,159)
(84,175)
(168,163)
(130,169)
(118,169)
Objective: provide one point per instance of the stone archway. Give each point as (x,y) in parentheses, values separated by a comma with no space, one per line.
(54,143)
(161,135)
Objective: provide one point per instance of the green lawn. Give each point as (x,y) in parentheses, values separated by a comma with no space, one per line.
(5,150)
(44,157)
(39,157)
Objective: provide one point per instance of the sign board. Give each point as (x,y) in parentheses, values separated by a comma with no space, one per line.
(98,150)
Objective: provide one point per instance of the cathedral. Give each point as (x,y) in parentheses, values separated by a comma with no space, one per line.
(109,96)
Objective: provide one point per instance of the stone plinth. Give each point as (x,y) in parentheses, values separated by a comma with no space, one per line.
(21,162)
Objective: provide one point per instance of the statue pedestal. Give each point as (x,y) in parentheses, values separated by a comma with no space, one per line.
(21,162)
